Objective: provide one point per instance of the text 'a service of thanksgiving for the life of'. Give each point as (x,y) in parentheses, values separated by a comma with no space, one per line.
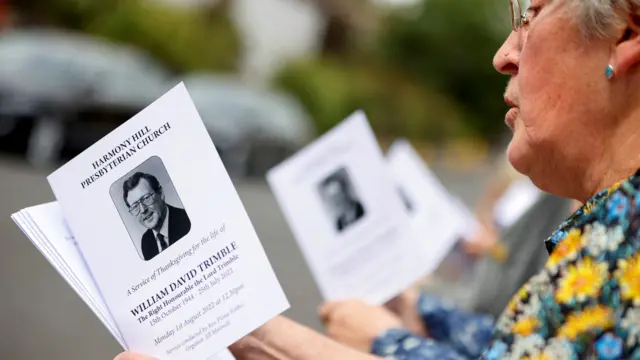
(123,151)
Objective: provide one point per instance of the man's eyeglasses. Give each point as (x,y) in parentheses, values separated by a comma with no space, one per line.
(518,13)
(146,200)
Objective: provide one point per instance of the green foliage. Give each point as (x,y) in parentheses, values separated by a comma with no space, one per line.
(450,44)
(395,105)
(185,40)
(428,77)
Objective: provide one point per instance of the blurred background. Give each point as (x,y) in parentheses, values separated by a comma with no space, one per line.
(267,76)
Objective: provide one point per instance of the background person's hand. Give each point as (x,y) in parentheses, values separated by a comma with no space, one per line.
(405,306)
(357,324)
(128,355)
(482,242)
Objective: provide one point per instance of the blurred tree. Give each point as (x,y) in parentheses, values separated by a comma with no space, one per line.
(331,89)
(428,76)
(184,39)
(349,25)
(449,44)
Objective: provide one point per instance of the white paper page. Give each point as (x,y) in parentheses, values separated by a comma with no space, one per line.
(59,237)
(516,200)
(435,218)
(51,224)
(41,243)
(341,204)
(23,222)
(213,284)
(97,306)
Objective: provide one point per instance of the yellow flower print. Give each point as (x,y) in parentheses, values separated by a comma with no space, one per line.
(628,275)
(526,326)
(615,187)
(515,301)
(587,208)
(598,317)
(566,249)
(523,293)
(581,281)
(537,357)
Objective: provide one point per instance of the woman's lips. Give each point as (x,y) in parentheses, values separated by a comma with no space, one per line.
(510,117)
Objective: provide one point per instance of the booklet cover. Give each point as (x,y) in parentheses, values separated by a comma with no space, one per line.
(436,218)
(342,205)
(165,235)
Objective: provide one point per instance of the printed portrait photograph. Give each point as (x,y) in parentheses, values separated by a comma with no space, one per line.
(150,208)
(343,206)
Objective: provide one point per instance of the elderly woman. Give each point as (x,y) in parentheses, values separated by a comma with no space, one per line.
(575,115)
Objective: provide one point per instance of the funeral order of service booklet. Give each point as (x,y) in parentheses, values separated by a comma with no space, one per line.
(341,203)
(165,235)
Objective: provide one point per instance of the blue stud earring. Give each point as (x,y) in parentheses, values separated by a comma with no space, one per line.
(609,72)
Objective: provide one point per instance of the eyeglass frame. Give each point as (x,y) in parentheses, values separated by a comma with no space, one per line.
(518,17)
(134,209)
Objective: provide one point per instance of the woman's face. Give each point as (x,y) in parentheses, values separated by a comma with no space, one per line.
(557,94)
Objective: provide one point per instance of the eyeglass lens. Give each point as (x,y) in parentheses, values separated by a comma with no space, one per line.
(146,200)
(518,9)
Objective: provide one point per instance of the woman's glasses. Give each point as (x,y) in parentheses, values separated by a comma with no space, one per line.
(518,12)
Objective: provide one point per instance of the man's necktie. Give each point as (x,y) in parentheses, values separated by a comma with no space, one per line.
(163,241)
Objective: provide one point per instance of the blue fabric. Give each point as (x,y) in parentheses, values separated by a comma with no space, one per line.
(453,334)
(403,345)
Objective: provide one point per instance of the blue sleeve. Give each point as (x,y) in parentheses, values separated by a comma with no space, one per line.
(467,333)
(400,344)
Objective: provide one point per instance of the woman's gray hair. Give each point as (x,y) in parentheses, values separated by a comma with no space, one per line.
(598,18)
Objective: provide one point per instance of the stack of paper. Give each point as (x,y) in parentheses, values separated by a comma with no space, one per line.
(150,232)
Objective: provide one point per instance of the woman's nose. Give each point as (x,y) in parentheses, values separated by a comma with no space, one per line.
(507,60)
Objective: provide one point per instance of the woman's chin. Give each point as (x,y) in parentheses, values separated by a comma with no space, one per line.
(518,155)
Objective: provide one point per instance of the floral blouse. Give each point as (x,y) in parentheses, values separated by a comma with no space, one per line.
(584,304)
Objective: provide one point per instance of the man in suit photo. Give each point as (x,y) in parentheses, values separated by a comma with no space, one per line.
(344,205)
(165,224)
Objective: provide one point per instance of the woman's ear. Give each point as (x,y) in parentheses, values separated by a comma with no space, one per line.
(627,51)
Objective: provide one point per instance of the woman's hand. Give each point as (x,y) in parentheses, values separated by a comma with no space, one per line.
(357,324)
(482,241)
(486,243)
